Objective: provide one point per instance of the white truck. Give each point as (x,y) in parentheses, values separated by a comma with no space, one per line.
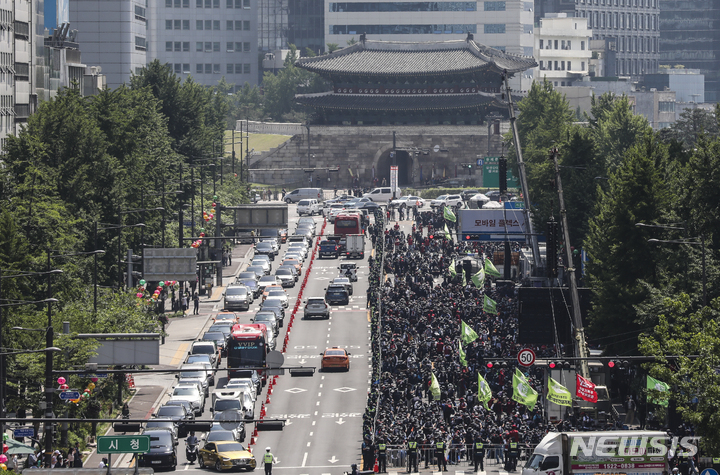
(627,452)
(355,245)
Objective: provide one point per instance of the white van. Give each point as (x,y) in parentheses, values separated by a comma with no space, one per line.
(304,193)
(382,194)
(309,206)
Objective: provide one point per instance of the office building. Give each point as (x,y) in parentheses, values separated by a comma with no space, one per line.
(562,49)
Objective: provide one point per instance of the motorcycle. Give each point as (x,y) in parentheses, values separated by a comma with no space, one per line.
(191,453)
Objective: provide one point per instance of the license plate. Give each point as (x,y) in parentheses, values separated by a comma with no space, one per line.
(156,461)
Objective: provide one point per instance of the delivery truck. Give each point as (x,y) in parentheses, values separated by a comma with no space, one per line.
(355,245)
(627,452)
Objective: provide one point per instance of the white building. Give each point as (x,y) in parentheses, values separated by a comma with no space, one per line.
(562,49)
(113,35)
(504,25)
(207,39)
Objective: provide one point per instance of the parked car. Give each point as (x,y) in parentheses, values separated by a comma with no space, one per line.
(447,200)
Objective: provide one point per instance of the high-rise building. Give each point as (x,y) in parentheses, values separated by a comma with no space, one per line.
(562,49)
(690,38)
(112,34)
(208,39)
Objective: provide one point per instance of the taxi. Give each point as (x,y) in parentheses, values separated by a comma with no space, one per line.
(226,317)
(226,455)
(336,358)
(267,290)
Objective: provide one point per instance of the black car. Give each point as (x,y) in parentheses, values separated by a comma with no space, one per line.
(265,248)
(467,194)
(276,306)
(162,451)
(178,414)
(218,337)
(337,294)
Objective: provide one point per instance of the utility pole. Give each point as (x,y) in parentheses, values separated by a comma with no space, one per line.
(49,386)
(579,340)
(247,148)
(530,236)
(394,162)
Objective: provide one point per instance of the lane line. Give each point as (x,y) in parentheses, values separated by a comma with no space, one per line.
(181,351)
(304,460)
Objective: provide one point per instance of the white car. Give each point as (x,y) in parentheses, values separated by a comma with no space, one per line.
(328,209)
(334,212)
(190,393)
(408,201)
(309,207)
(244,384)
(447,200)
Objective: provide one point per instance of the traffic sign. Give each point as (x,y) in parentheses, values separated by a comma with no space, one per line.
(69,395)
(30,432)
(480,162)
(123,444)
(709,471)
(526,357)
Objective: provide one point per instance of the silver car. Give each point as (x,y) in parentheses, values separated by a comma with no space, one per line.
(316,307)
(191,393)
(237,297)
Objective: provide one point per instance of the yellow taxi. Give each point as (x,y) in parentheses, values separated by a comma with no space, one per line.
(226,316)
(226,455)
(267,290)
(336,358)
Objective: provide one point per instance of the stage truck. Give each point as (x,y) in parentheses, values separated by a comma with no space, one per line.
(247,348)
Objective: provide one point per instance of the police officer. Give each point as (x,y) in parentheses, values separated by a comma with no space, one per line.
(413,454)
(479,453)
(440,454)
(382,456)
(268,460)
(513,453)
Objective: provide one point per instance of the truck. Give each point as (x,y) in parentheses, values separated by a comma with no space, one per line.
(329,248)
(627,452)
(355,246)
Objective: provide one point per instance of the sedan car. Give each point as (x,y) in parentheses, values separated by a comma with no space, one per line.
(226,456)
(273,242)
(162,452)
(237,426)
(316,307)
(250,374)
(163,425)
(269,318)
(262,263)
(293,262)
(220,436)
(265,248)
(336,358)
(408,202)
(192,394)
(280,294)
(344,281)
(178,413)
(219,338)
(268,280)
(275,305)
(257,270)
(244,384)
(286,276)
(195,374)
(292,269)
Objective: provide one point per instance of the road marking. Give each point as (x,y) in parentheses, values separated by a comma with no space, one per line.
(319,394)
(308,444)
(321,386)
(317,403)
(314,421)
(179,354)
(311,434)
(304,459)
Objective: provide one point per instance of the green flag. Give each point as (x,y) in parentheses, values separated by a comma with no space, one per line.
(558,393)
(447,233)
(468,335)
(484,393)
(522,391)
(489,305)
(463,361)
(655,385)
(490,268)
(464,280)
(448,214)
(435,387)
(479,278)
(452,270)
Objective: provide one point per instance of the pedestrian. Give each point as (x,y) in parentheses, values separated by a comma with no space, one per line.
(103,463)
(196,304)
(412,455)
(268,460)
(479,453)
(630,408)
(71,458)
(440,454)
(184,302)
(367,454)
(382,456)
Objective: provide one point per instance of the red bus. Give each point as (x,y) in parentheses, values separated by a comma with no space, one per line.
(350,223)
(247,348)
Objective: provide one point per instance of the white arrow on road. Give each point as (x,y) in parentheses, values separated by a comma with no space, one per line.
(333,459)
(302,361)
(340,421)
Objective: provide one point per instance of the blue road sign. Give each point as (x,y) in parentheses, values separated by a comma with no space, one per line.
(709,471)
(30,432)
(480,162)
(68,395)
(514,205)
(101,375)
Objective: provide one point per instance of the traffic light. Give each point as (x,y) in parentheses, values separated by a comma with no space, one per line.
(502,172)
(559,365)
(472,237)
(551,248)
(618,364)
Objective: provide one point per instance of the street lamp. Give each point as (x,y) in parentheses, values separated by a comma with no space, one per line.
(162,208)
(700,242)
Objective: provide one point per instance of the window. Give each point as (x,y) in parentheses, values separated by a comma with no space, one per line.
(216,46)
(186,3)
(556,44)
(177,24)
(246,25)
(178,46)
(199,3)
(198,24)
(238,68)
(562,44)
(216,24)
(230,47)
(569,66)
(178,68)
(238,47)
(557,68)
(666,106)
(177,3)
(582,66)
(208,68)
(186,24)
(216,69)
(246,3)
(541,65)
(246,66)
(541,43)
(582,45)
(186,68)
(140,13)
(216,3)
(168,24)
(494,6)
(569,44)
(238,25)
(208,3)
(208,24)
(186,46)
(230,24)
(230,3)
(198,68)
(562,65)
(230,68)
(168,3)
(494,28)
(208,46)
(140,43)
(168,45)
(199,46)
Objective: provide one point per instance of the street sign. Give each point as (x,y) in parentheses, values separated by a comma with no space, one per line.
(393,178)
(436,148)
(69,395)
(123,444)
(526,357)
(480,162)
(709,471)
(101,375)
(30,432)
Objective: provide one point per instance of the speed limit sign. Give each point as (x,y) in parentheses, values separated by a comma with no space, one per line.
(526,357)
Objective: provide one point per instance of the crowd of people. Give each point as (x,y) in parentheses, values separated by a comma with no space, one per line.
(418,308)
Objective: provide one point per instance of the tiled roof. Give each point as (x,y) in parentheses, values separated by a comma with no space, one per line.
(331,100)
(392,58)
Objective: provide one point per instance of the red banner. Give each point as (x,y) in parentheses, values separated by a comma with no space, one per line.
(585,389)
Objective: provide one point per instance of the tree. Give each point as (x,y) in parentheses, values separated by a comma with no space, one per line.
(621,261)
(615,129)
(332,47)
(351,41)
(694,381)
(690,126)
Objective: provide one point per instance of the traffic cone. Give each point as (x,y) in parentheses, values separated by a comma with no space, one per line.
(252,441)
(267,399)
(262,411)
(376,468)
(255,433)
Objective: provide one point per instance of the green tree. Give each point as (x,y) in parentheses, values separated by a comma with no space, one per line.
(622,263)
(615,129)
(690,126)
(332,47)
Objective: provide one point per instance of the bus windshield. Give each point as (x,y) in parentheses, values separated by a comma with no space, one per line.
(245,353)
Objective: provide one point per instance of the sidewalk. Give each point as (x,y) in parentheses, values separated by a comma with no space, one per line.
(240,256)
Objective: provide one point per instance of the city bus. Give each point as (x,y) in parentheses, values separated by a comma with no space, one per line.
(247,348)
(350,223)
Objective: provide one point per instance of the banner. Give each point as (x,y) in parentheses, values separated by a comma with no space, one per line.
(479,278)
(585,389)
(558,393)
(435,387)
(489,305)
(484,393)
(467,334)
(522,391)
(448,214)
(490,268)
(492,222)
(463,361)
(654,384)
(452,270)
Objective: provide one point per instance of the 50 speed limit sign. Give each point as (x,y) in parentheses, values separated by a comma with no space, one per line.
(526,357)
